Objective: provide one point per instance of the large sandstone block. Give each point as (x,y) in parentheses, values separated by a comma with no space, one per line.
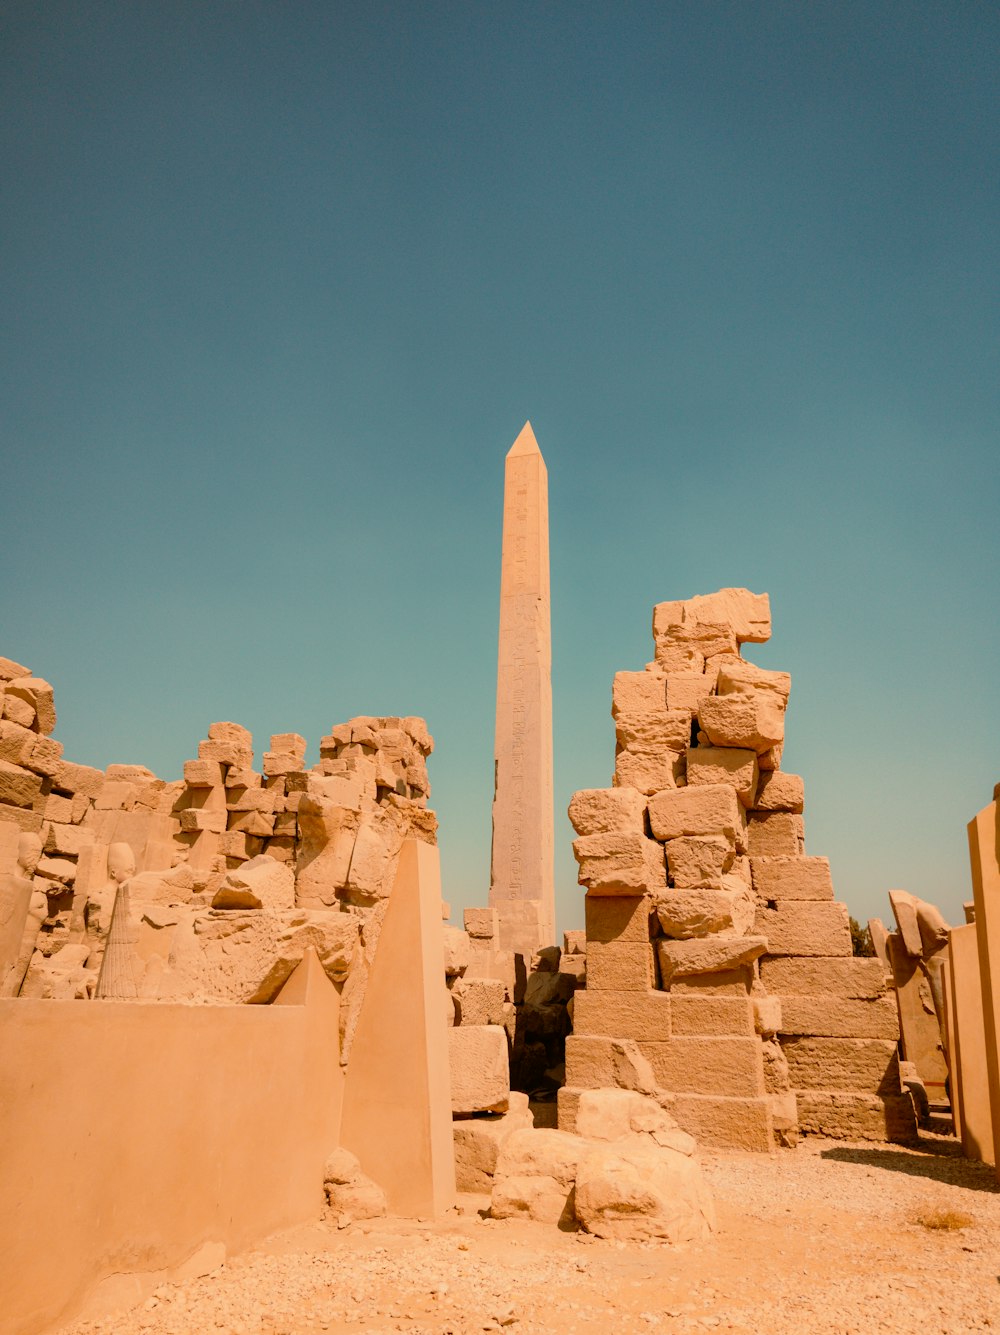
(67,840)
(847,1116)
(747,614)
(480,1070)
(16,742)
(70,778)
(46,756)
(735,982)
(727,1067)
(710,1016)
(480,924)
(839,1017)
(479,1001)
(9,670)
(607,1063)
(638,693)
(704,910)
(37,693)
(686,690)
(775,834)
(608,810)
(804,927)
(706,809)
(535,1175)
(620,966)
(778,791)
(626,1014)
(754,721)
(617,918)
(726,1123)
(737,676)
(862,1065)
(261,883)
(23,817)
(635,1191)
(620,863)
(648,773)
(724,764)
(20,788)
(698,859)
(791,877)
(709,955)
(651,734)
(850,977)
(478,1141)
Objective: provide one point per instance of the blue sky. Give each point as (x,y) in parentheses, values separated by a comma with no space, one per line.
(281,284)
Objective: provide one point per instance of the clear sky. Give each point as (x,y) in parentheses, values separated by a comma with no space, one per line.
(280,284)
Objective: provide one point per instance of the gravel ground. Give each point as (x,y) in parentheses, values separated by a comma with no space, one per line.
(823,1239)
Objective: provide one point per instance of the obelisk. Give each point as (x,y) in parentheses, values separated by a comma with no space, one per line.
(522,887)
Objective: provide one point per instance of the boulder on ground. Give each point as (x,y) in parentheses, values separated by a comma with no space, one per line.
(350,1194)
(535,1174)
(637,1191)
(478,1141)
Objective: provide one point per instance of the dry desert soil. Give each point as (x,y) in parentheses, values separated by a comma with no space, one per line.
(829,1237)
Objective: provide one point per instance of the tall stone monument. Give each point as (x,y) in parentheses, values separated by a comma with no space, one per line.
(521,874)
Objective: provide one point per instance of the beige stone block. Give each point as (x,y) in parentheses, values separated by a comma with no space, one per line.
(620,966)
(637,1191)
(255,823)
(638,693)
(620,863)
(770,760)
(737,676)
(9,670)
(45,757)
(115,795)
(23,817)
(706,809)
(748,614)
(16,710)
(736,982)
(648,773)
(36,692)
(238,846)
(726,1123)
(778,791)
(20,788)
(225,752)
(726,1067)
(749,721)
(16,742)
(575,942)
(686,690)
(625,1014)
(851,977)
(480,923)
(698,859)
(704,910)
(796,877)
(261,883)
(860,1065)
(711,1016)
(804,927)
(607,1063)
(478,1141)
(617,918)
(202,773)
(276,764)
(608,811)
(70,778)
(196,819)
(712,954)
(67,840)
(242,776)
(456,951)
(58,808)
(479,1001)
(724,764)
(251,799)
(651,734)
(847,1116)
(766,1014)
(775,834)
(839,1017)
(480,1071)
(57,869)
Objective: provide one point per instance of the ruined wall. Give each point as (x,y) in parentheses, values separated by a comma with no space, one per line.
(718,964)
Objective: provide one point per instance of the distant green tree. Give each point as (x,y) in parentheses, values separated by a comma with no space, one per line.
(861,939)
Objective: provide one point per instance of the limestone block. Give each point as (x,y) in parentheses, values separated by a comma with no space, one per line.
(16,742)
(9,670)
(478,1141)
(333,936)
(726,1123)
(480,1072)
(863,1065)
(20,788)
(254,823)
(456,951)
(225,752)
(480,923)
(234,733)
(791,877)
(202,773)
(848,1116)
(706,809)
(620,966)
(778,791)
(194,820)
(263,882)
(766,1015)
(686,690)
(608,810)
(575,942)
(328,833)
(67,840)
(775,834)
(752,722)
(680,624)
(16,710)
(700,911)
(623,1014)
(748,614)
(350,1194)
(651,734)
(38,694)
(636,1191)
(70,778)
(712,954)
(839,1017)
(617,918)
(376,850)
(251,799)
(711,1016)
(700,859)
(637,693)
(23,817)
(240,776)
(724,764)
(115,795)
(620,863)
(770,760)
(45,757)
(535,1175)
(605,1114)
(59,809)
(737,676)
(849,977)
(776,1077)
(567,1105)
(607,1063)
(479,1001)
(804,927)
(648,773)
(725,1066)
(57,869)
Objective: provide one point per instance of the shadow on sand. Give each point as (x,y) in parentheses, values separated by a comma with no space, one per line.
(941,1160)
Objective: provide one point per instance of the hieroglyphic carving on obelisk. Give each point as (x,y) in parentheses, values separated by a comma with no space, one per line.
(522,886)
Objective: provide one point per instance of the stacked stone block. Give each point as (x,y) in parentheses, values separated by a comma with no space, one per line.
(715,951)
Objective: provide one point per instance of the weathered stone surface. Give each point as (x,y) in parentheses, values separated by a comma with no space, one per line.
(478,1141)
(749,721)
(617,918)
(479,1001)
(848,977)
(686,690)
(16,742)
(624,1014)
(736,676)
(726,1123)
(728,907)
(20,787)
(648,773)
(725,764)
(651,734)
(263,882)
(700,859)
(804,927)
(480,923)
(778,791)
(70,778)
(637,1191)
(37,693)
(749,614)
(620,864)
(708,955)
(350,1194)
(608,810)
(536,1175)
(457,952)
(766,1015)
(791,877)
(480,1074)
(862,1065)
(710,1016)
(620,966)
(727,1066)
(836,1017)
(706,809)
(637,693)
(847,1116)
(607,1063)
(775,834)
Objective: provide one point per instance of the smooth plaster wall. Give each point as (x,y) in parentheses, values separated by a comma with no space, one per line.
(132,1134)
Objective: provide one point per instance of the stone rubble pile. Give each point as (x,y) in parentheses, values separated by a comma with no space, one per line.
(714,945)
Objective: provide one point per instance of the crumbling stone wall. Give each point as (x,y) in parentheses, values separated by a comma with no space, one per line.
(718,964)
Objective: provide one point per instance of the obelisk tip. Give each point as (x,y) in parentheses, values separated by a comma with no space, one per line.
(525,443)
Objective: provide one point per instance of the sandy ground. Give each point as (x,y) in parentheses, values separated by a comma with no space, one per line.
(819,1239)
